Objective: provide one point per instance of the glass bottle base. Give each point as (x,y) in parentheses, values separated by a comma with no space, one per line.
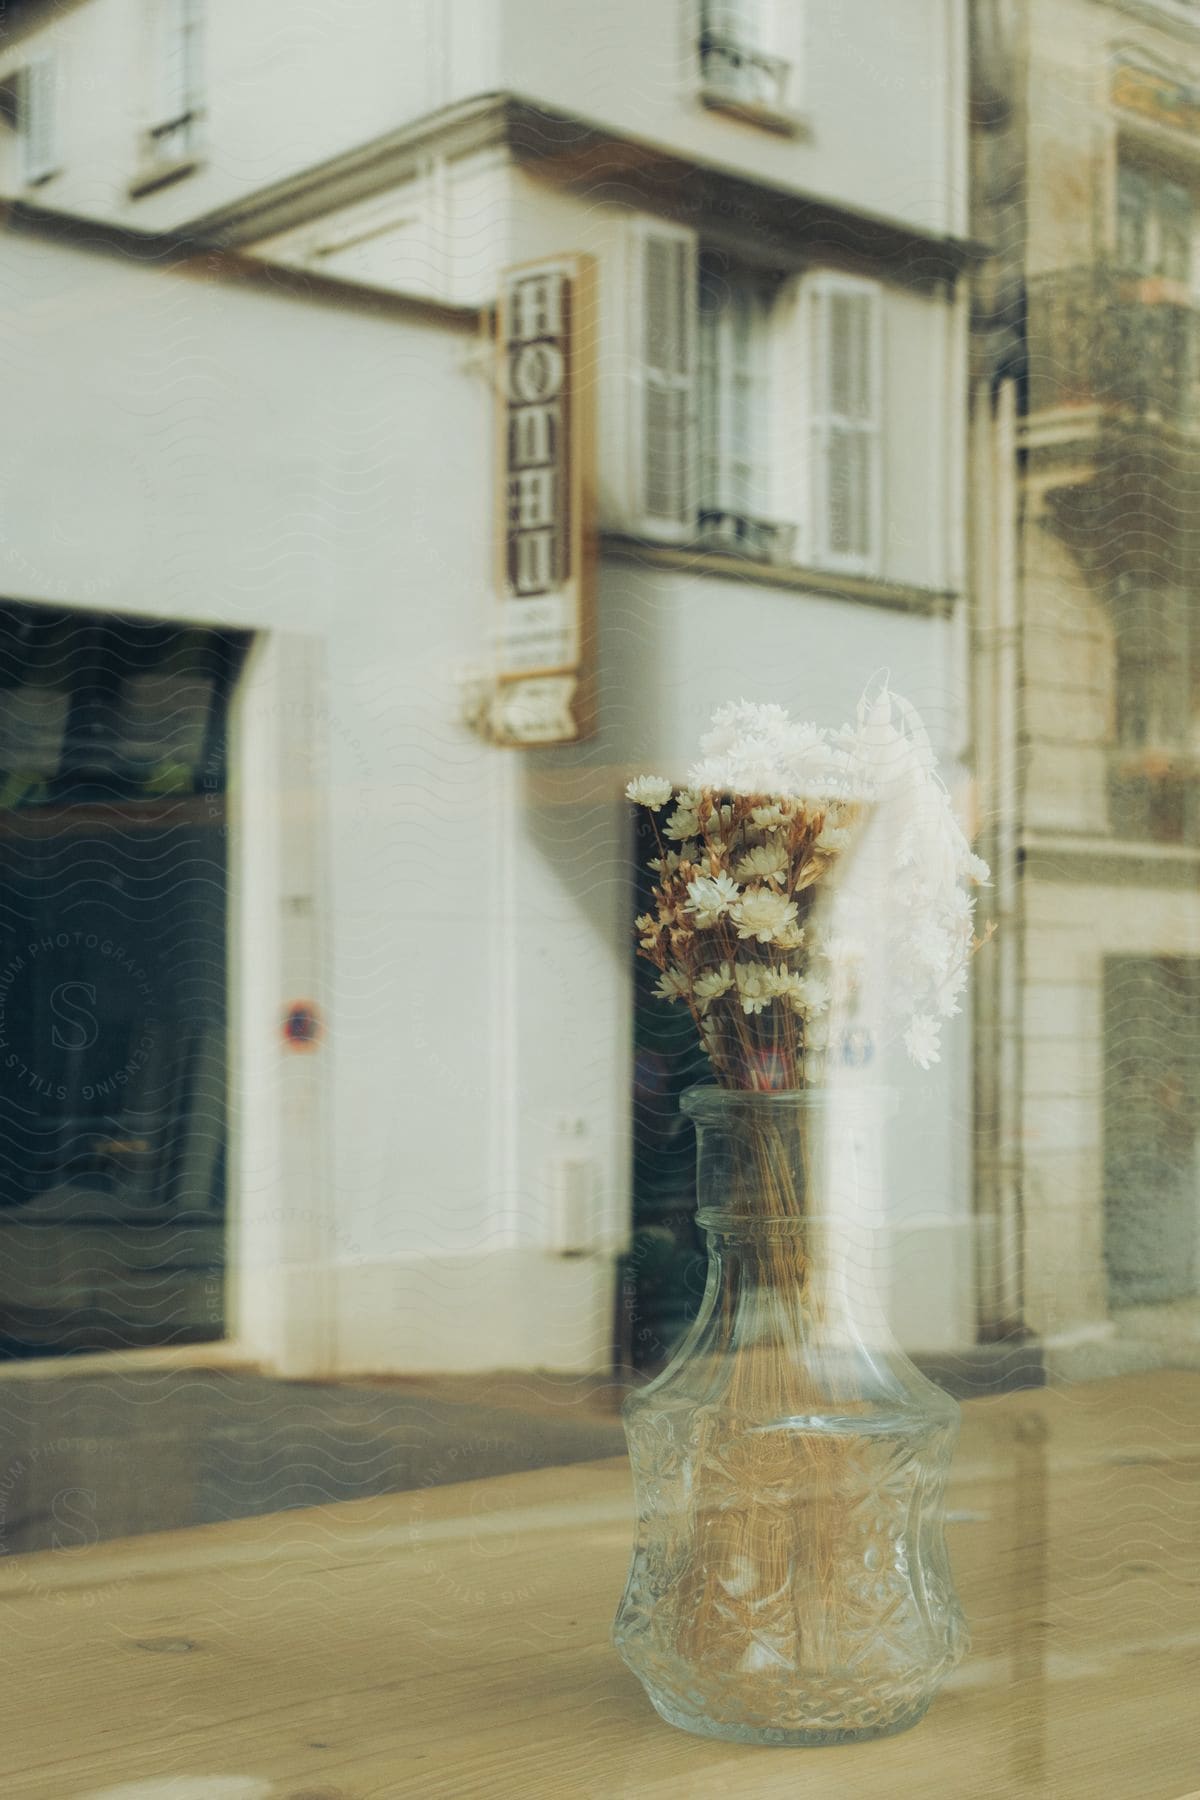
(774,1735)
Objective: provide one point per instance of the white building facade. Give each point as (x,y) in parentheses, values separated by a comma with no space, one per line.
(254,259)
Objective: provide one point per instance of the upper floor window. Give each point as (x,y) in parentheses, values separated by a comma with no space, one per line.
(1156,643)
(758,423)
(744,60)
(1155,225)
(175,130)
(37,118)
(1153,792)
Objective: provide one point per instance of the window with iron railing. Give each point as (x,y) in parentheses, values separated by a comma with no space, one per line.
(174,134)
(1155,226)
(38,118)
(741,60)
(1154,790)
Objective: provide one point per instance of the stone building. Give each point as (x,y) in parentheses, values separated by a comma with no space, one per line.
(1086,184)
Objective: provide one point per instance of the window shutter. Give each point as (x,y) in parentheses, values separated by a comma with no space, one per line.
(664,339)
(39,118)
(846,407)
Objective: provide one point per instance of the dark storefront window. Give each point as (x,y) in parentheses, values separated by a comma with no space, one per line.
(112,979)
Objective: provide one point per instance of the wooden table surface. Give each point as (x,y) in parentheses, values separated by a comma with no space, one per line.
(453,1641)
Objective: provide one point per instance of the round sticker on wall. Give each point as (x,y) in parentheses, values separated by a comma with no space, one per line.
(302,1025)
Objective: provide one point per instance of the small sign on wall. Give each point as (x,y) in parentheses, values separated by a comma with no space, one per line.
(545,502)
(1156,96)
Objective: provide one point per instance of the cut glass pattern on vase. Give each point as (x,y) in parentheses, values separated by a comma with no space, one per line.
(790,1581)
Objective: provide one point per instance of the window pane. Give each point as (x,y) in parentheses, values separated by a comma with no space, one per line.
(733,401)
(1133,211)
(849,352)
(1175,226)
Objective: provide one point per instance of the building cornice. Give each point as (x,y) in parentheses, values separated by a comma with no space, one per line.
(1104,861)
(606,165)
(192,255)
(358,174)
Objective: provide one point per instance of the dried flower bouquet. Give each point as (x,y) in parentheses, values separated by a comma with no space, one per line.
(743,856)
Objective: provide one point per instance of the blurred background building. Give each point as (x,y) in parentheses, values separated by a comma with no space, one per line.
(1086,165)
(417,1110)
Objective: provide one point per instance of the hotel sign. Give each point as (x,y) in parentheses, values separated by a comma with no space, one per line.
(546,547)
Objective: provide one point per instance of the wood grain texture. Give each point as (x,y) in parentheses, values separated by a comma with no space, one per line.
(453,1641)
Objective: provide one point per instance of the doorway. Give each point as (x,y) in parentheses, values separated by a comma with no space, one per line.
(1152,1103)
(113,979)
(661,1279)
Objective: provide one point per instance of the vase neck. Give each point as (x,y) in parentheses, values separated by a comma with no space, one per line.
(778,1263)
(759,1159)
(774,1281)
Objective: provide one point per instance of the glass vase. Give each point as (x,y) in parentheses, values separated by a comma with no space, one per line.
(790,1582)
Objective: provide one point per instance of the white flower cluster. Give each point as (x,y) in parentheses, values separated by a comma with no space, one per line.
(926,907)
(755,749)
(769,809)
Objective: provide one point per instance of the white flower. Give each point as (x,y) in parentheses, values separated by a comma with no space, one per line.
(763,915)
(810,995)
(755,987)
(672,861)
(921,1040)
(683,823)
(768,818)
(649,790)
(766,862)
(975,869)
(785,984)
(961,904)
(834,838)
(710,897)
(710,987)
(673,984)
(759,750)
